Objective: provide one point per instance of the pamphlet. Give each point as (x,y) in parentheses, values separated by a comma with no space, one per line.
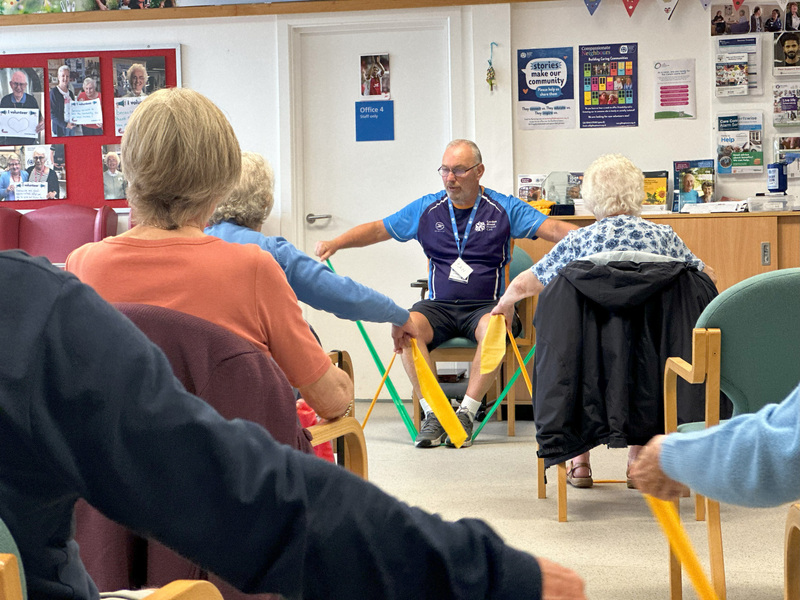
(655,191)
(731,75)
(739,143)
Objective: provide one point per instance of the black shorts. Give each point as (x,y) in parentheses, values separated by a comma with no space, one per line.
(457,319)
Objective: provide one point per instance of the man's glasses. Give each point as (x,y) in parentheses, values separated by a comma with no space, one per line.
(19,84)
(458,171)
(38,158)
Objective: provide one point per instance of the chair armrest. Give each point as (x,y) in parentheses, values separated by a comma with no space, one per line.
(182,589)
(791,554)
(355,446)
(10,582)
(341,358)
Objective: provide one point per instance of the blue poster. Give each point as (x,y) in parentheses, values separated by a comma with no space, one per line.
(375,121)
(609,83)
(546,98)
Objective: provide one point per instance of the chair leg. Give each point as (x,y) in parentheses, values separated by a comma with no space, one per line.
(791,555)
(715,548)
(511,398)
(675,582)
(562,492)
(699,507)
(540,482)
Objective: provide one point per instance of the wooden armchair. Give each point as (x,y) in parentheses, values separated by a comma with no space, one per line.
(745,345)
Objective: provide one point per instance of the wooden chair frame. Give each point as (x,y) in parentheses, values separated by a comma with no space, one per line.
(353,447)
(791,555)
(705,367)
(11,585)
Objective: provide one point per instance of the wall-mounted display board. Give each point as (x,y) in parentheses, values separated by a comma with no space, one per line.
(62,116)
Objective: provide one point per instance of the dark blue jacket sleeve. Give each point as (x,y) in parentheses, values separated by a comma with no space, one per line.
(116,427)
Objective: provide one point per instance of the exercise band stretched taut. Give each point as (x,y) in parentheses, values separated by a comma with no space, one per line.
(412,431)
(378,391)
(505,391)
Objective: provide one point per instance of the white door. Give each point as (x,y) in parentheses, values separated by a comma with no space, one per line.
(357,182)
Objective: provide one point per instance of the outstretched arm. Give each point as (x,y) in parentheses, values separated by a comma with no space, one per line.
(553,230)
(357,237)
(524,285)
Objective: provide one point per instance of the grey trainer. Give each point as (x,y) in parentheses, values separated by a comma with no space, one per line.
(466,422)
(431,433)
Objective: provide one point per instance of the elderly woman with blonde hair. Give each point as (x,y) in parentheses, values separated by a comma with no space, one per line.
(613,189)
(167,260)
(239,219)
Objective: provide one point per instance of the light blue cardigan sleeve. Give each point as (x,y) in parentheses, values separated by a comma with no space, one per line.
(316,285)
(751,460)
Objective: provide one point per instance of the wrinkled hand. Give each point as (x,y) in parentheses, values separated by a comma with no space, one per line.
(324,249)
(40,126)
(401,336)
(648,477)
(560,583)
(506,310)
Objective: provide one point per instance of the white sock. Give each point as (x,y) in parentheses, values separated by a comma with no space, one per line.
(423,404)
(471,406)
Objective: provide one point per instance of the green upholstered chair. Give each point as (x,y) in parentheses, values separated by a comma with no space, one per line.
(461,349)
(746,344)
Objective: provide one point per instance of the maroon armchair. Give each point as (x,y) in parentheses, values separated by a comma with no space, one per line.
(240,381)
(55,231)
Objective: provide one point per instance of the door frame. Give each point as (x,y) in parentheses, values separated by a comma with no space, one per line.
(290,42)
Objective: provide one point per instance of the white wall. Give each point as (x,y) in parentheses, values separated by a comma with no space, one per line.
(242,64)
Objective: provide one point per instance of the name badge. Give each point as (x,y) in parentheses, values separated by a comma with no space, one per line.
(460,271)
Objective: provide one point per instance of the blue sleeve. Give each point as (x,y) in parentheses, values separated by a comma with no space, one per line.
(563,253)
(525,220)
(751,460)
(316,285)
(403,224)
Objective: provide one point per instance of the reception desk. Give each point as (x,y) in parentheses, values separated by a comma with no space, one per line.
(736,245)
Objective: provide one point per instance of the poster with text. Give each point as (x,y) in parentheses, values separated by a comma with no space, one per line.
(675,91)
(750,45)
(609,82)
(546,98)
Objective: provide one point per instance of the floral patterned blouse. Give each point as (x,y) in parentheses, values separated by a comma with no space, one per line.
(621,232)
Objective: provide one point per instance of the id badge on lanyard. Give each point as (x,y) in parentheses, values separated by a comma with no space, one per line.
(460,270)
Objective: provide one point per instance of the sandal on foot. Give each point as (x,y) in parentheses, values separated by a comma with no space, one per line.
(579,482)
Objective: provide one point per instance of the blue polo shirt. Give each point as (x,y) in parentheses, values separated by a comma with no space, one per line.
(498,218)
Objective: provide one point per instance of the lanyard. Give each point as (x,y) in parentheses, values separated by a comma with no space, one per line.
(460,245)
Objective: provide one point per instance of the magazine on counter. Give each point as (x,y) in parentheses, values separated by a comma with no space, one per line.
(739,143)
(655,191)
(693,183)
(529,187)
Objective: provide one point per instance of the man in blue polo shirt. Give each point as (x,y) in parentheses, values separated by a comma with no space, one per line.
(465,231)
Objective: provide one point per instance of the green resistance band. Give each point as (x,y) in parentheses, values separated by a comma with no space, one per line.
(504,393)
(412,431)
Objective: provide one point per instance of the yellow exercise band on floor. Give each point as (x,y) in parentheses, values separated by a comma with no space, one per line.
(493,347)
(377,393)
(433,394)
(681,546)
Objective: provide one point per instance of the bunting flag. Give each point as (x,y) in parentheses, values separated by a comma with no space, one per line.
(432,392)
(737,4)
(705,3)
(630,6)
(493,347)
(592,5)
(669,7)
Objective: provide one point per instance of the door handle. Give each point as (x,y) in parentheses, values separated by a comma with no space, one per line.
(311,218)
